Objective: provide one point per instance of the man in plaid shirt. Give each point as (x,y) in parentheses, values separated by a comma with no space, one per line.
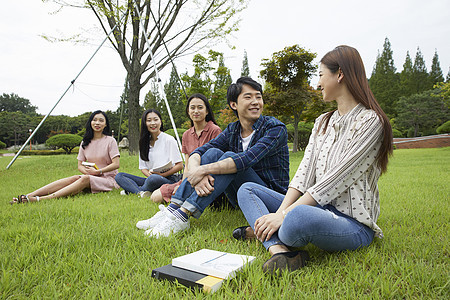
(252,149)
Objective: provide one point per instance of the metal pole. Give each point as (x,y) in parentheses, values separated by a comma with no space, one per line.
(71,83)
(158,79)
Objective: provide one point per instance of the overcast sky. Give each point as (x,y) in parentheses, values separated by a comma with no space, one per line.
(41,71)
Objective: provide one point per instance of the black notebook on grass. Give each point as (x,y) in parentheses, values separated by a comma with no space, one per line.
(188,278)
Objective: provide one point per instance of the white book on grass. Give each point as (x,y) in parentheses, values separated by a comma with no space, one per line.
(215,263)
(164,168)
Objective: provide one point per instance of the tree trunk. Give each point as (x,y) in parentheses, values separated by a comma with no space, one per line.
(134,114)
(295,144)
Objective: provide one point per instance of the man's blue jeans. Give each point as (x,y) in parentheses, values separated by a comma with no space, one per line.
(135,184)
(187,197)
(325,227)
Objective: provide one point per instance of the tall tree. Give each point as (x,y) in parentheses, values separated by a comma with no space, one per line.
(222,80)
(245,71)
(406,77)
(436,75)
(153,98)
(420,78)
(287,76)
(173,28)
(385,82)
(12,103)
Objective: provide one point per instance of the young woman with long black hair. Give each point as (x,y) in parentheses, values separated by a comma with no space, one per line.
(97,147)
(156,149)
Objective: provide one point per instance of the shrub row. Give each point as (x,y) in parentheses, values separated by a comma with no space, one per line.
(47,152)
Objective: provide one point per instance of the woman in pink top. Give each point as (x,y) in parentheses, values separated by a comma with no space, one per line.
(97,147)
(204,129)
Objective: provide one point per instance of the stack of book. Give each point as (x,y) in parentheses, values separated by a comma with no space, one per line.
(205,269)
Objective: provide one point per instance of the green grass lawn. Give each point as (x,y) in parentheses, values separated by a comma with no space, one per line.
(87,246)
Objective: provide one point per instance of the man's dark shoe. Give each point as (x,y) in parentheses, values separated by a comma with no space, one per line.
(286,261)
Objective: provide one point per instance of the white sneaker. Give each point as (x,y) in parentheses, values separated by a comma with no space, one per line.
(155,220)
(123,193)
(170,225)
(145,194)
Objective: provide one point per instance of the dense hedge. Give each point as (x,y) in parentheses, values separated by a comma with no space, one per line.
(444,128)
(46,152)
(2,145)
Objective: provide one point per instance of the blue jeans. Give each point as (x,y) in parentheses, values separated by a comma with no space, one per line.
(135,184)
(187,197)
(325,227)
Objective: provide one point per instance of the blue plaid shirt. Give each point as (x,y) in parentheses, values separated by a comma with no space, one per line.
(267,154)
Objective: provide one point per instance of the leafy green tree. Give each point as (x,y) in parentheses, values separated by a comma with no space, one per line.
(65,141)
(316,106)
(200,81)
(173,28)
(211,78)
(444,92)
(2,145)
(245,71)
(406,77)
(436,75)
(447,79)
(287,76)
(420,77)
(421,113)
(12,103)
(385,82)
(14,127)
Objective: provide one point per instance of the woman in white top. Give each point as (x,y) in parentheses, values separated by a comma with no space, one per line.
(332,201)
(156,149)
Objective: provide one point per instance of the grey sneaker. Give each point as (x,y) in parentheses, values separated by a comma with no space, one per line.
(155,220)
(170,225)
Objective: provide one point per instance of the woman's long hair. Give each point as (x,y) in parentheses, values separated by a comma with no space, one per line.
(209,116)
(145,136)
(89,135)
(349,61)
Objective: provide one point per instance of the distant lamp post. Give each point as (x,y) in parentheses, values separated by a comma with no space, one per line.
(30,131)
(112,131)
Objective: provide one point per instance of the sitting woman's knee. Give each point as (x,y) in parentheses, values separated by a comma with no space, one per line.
(85,180)
(119,175)
(244,191)
(75,178)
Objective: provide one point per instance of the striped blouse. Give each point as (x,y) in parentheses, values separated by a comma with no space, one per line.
(339,166)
